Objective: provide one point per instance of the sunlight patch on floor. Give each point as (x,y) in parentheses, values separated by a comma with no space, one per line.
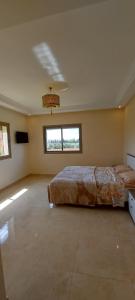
(7,202)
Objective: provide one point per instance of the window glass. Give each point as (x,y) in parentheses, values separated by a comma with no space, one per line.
(53,138)
(71,139)
(62,138)
(4,141)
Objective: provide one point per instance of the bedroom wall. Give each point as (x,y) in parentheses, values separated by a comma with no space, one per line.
(102,139)
(129,145)
(15,167)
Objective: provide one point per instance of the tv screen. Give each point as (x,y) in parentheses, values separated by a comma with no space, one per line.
(21,137)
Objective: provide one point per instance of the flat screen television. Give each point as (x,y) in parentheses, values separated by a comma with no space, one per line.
(21,137)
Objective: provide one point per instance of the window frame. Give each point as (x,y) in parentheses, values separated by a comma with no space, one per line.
(63,126)
(7,125)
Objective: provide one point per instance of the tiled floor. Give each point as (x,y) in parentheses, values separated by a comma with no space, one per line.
(64,253)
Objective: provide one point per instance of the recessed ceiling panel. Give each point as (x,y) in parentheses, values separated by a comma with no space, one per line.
(17,12)
(89,49)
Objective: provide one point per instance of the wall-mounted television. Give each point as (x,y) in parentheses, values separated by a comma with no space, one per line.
(21,137)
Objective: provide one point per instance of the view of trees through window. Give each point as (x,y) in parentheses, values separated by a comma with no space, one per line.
(4,140)
(62,139)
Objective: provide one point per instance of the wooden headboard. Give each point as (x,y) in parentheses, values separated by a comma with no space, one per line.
(131,161)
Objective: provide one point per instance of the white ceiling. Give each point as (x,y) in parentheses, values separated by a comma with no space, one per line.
(89,44)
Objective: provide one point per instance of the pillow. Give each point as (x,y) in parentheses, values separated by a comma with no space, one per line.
(121,168)
(128,178)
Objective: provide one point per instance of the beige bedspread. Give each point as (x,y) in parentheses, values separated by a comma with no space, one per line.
(87,186)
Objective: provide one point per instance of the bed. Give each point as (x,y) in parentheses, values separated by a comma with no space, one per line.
(90,185)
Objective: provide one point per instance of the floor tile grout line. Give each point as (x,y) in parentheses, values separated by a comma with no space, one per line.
(104,277)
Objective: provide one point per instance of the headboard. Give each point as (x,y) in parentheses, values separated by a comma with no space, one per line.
(131,161)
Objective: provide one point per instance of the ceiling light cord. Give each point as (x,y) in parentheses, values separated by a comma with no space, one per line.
(50,88)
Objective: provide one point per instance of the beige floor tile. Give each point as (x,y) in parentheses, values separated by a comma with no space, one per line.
(126,227)
(106,256)
(41,285)
(99,221)
(65,219)
(58,252)
(86,287)
(51,251)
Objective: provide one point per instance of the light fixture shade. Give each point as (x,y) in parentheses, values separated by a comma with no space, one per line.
(51,100)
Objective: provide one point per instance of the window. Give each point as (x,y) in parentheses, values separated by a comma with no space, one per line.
(62,138)
(5,150)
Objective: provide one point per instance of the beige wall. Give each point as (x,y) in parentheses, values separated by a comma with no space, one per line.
(102,138)
(16,167)
(129,145)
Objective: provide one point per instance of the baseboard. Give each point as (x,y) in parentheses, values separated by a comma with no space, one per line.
(18,180)
(14,182)
(41,174)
